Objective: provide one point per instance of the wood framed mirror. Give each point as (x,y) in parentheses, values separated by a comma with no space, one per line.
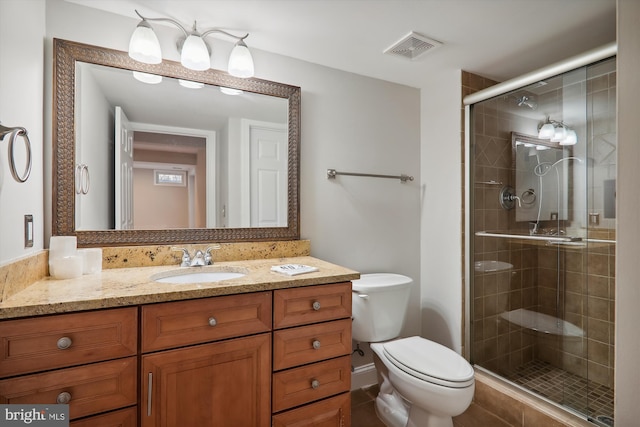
(68,59)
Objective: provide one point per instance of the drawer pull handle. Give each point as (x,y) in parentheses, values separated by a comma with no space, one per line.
(315,384)
(212,321)
(316,344)
(64,398)
(316,305)
(64,343)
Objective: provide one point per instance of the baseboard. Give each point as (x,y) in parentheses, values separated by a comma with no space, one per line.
(363,376)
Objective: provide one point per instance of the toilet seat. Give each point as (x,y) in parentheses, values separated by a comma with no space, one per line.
(429,361)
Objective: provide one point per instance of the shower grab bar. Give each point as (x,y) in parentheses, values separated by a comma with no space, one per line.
(14,132)
(555,239)
(332,173)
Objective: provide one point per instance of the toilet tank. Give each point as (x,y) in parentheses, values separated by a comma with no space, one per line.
(379,306)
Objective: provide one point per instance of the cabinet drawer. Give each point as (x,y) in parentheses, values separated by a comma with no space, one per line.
(122,418)
(176,324)
(332,412)
(312,304)
(88,390)
(308,344)
(295,387)
(43,343)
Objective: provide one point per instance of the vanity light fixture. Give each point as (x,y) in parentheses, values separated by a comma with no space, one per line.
(557,132)
(195,54)
(190,84)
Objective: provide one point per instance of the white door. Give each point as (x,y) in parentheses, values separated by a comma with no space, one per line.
(123,171)
(268,176)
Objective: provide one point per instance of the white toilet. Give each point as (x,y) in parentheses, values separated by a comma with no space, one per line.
(422,383)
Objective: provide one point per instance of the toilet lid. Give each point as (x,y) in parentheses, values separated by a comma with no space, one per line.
(430,362)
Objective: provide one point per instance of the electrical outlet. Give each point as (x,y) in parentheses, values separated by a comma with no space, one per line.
(28,231)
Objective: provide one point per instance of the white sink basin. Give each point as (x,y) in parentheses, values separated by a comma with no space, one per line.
(196,276)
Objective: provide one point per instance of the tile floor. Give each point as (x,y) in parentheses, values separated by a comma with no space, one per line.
(363,413)
(562,387)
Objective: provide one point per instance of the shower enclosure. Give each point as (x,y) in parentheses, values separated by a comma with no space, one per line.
(540,235)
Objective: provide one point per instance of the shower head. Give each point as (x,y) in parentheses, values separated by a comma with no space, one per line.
(527,101)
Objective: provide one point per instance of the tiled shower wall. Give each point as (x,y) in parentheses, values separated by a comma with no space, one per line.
(585,275)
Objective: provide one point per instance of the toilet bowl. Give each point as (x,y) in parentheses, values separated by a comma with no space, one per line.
(422,383)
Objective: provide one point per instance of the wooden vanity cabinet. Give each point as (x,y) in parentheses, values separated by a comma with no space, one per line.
(220,381)
(312,356)
(87,360)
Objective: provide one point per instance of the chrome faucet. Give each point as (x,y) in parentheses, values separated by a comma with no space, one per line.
(199,258)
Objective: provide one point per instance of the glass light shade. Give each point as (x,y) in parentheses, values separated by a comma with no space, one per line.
(230,91)
(560,134)
(570,139)
(191,85)
(151,79)
(240,61)
(546,131)
(195,55)
(144,45)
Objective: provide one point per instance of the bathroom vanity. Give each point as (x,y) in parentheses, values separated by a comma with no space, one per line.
(121,349)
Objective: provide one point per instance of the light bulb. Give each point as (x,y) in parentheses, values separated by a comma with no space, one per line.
(546,131)
(570,139)
(240,61)
(144,45)
(230,91)
(560,134)
(195,55)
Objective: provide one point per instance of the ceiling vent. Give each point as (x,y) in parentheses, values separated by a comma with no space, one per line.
(412,46)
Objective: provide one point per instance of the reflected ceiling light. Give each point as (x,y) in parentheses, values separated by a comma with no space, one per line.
(230,91)
(152,79)
(570,139)
(195,54)
(542,147)
(547,130)
(191,85)
(557,131)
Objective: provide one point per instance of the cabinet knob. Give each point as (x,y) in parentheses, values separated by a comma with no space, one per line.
(315,384)
(316,344)
(64,398)
(316,305)
(212,321)
(64,343)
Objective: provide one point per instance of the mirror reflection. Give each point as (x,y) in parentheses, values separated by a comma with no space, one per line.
(226,165)
(542,173)
(176,154)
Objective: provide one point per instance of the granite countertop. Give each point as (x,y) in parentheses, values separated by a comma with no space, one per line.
(132,286)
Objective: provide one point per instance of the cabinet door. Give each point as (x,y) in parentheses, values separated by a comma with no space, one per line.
(333,412)
(221,384)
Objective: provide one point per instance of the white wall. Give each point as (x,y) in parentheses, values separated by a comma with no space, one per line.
(627,374)
(441,209)
(21,86)
(349,122)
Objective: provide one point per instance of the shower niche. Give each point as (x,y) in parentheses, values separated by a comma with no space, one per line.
(544,320)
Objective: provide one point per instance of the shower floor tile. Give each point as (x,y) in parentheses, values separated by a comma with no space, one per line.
(564,388)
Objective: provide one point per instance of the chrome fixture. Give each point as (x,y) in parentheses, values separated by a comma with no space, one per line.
(508,198)
(195,54)
(13,134)
(332,173)
(557,131)
(199,259)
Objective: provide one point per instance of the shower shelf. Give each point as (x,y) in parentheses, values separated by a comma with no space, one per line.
(542,323)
